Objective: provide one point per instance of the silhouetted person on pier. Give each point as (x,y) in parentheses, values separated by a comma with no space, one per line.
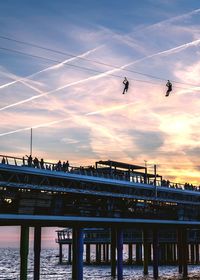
(30,159)
(3,160)
(42,163)
(126,85)
(64,166)
(67,165)
(59,166)
(36,162)
(169,88)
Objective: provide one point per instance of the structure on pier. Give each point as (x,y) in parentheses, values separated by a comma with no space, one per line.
(100,238)
(112,195)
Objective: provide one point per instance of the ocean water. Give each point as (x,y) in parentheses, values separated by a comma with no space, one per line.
(50,269)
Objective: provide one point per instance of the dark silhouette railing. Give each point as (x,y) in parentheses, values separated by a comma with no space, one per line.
(89,171)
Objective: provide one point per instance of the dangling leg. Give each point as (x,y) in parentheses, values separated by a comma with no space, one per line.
(125,90)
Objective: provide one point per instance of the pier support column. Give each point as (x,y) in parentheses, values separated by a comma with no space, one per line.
(98,253)
(37,250)
(107,253)
(104,253)
(162,257)
(113,252)
(197,253)
(149,252)
(180,251)
(174,252)
(138,253)
(146,251)
(24,248)
(155,253)
(185,252)
(69,253)
(100,257)
(130,253)
(60,253)
(77,264)
(192,253)
(169,253)
(119,254)
(87,253)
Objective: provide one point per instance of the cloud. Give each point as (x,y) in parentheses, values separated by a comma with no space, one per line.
(188,73)
(119,107)
(154,143)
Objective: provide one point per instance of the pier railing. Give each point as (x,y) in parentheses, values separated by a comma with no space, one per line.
(90,171)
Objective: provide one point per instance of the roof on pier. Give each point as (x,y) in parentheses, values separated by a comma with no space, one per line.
(123,165)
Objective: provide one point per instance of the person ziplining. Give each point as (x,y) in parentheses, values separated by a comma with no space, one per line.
(126,85)
(169,88)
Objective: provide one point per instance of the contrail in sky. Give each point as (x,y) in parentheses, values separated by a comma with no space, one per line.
(14,77)
(127,39)
(56,66)
(107,73)
(110,109)
(173,50)
(172,19)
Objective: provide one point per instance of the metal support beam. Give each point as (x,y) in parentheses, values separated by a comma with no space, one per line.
(192,253)
(146,251)
(113,252)
(180,250)
(77,264)
(155,253)
(98,253)
(138,253)
(185,252)
(37,250)
(130,253)
(60,253)
(69,253)
(107,253)
(87,253)
(119,254)
(24,248)
(174,253)
(197,253)
(162,258)
(104,252)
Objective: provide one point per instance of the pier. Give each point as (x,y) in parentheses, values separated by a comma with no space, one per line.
(132,206)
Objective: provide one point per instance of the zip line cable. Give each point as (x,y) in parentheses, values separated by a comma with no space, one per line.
(87,59)
(82,67)
(72,65)
(82,58)
(90,60)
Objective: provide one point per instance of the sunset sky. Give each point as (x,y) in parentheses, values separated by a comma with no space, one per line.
(71,94)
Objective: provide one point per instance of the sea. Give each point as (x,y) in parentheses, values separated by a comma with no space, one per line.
(51,269)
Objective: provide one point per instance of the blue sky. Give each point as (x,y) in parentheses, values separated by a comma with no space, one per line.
(81,115)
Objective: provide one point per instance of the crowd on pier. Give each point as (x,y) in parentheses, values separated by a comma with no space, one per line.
(36,163)
(91,170)
(187,186)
